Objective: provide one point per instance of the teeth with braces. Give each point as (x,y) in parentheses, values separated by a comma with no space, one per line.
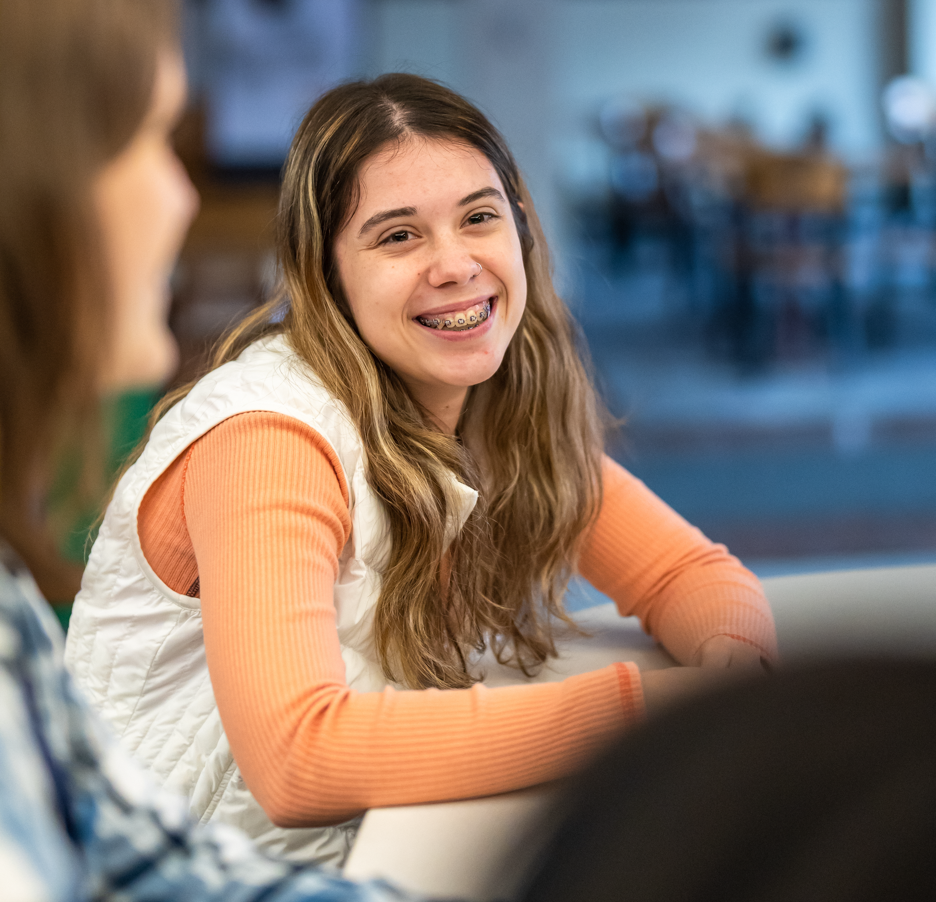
(460,322)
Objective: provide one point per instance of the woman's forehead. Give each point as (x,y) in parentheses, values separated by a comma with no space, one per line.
(421,168)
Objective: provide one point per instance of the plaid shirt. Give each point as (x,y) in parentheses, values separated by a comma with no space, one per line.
(80,821)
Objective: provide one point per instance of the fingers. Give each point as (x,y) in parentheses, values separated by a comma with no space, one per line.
(723,652)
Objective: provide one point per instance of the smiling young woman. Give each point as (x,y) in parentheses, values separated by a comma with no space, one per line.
(436,286)
(393,466)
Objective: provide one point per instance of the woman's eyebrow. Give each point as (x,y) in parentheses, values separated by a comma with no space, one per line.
(384,215)
(477,195)
(378,218)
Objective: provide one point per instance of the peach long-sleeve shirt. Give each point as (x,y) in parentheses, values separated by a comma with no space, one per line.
(253,517)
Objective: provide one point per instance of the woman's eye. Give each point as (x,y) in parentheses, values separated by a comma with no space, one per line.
(480,218)
(397,237)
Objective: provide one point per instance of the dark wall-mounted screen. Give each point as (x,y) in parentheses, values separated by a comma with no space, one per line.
(261,64)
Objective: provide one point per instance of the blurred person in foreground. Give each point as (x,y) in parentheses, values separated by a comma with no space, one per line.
(817,784)
(94,208)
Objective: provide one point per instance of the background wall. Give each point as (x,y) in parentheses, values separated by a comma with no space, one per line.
(922,42)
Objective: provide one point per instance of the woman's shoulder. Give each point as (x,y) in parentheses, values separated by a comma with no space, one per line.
(269,369)
(267,377)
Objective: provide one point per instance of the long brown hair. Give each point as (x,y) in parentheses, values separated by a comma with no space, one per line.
(529,440)
(76,80)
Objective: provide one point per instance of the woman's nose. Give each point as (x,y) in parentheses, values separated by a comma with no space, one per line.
(451,265)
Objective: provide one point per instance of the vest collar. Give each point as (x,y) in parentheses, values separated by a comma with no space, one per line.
(462,501)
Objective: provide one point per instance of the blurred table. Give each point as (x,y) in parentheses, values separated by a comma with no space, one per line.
(480,849)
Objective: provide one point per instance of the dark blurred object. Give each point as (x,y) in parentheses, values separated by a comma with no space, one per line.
(788,296)
(786,42)
(818,784)
(652,150)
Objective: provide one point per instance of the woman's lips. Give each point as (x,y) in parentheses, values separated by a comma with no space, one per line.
(458,319)
(466,332)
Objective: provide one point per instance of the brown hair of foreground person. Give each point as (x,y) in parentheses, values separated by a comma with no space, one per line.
(76,80)
(534,423)
(818,784)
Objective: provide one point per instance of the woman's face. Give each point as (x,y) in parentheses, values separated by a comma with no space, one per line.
(145,202)
(431,266)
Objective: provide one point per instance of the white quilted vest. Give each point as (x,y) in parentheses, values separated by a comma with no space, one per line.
(136,647)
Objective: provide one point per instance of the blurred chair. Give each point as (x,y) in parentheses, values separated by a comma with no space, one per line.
(788,295)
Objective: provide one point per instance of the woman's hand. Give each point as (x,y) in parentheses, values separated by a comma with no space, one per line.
(723,653)
(718,660)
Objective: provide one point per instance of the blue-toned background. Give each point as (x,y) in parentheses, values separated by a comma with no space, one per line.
(741,200)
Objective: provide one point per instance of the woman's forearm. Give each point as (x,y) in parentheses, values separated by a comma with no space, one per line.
(685,588)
